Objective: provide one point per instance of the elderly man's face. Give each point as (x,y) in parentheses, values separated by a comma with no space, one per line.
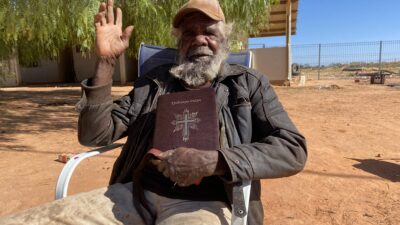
(202,50)
(201,38)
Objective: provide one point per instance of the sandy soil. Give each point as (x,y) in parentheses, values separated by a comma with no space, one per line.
(352,175)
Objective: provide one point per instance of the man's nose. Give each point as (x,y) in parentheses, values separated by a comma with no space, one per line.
(200,40)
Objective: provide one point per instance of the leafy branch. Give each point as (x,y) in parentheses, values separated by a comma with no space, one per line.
(42,29)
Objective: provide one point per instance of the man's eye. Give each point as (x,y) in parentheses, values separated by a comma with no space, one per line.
(209,33)
(186,38)
(188,33)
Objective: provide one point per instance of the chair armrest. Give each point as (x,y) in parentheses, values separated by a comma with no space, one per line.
(246,185)
(66,173)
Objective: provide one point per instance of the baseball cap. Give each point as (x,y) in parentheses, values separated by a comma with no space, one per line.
(211,8)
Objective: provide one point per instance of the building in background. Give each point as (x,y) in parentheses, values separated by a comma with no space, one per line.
(277,62)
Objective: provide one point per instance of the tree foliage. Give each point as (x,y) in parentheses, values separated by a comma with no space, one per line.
(42,28)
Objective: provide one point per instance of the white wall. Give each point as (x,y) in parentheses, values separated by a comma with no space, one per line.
(45,72)
(85,66)
(271,62)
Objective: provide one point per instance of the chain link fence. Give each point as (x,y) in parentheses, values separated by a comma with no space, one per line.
(346,60)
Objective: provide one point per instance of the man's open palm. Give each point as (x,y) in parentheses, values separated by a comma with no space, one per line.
(111,42)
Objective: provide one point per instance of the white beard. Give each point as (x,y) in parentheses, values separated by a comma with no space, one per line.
(198,72)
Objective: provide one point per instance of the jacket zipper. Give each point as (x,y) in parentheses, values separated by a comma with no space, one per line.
(145,120)
(151,108)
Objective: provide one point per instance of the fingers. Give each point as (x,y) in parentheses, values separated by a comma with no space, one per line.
(165,168)
(180,179)
(166,173)
(105,10)
(106,16)
(162,167)
(103,19)
(118,20)
(183,184)
(97,19)
(126,35)
(102,14)
(110,12)
(169,168)
(102,7)
(163,155)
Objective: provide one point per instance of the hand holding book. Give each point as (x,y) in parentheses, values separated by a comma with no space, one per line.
(186,137)
(187,166)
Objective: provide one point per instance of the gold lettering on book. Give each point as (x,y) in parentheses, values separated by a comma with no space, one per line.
(185,122)
(186,101)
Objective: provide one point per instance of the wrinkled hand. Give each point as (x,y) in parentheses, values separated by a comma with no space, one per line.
(186,166)
(111,42)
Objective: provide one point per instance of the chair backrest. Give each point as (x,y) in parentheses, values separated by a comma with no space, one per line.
(151,56)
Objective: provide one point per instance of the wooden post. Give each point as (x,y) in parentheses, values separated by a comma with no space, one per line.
(13,64)
(289,37)
(122,60)
(122,69)
(66,66)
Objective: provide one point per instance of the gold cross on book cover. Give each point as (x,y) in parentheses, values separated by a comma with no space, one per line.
(187,119)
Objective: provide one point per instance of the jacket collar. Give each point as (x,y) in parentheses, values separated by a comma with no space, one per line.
(160,75)
(228,70)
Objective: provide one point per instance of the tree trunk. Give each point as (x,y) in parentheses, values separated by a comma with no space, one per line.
(66,67)
(13,65)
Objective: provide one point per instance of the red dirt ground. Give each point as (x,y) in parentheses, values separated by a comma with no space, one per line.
(352,175)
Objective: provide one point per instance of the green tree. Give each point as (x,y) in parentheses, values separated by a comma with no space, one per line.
(45,28)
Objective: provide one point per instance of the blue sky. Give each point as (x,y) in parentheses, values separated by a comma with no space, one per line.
(339,21)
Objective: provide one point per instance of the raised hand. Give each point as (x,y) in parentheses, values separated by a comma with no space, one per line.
(111,41)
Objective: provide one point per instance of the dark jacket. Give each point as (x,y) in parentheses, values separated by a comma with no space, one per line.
(262,141)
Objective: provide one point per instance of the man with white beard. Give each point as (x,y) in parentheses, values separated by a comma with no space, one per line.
(257,138)
(196,71)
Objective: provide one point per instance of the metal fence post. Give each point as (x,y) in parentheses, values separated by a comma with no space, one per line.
(380,58)
(319,60)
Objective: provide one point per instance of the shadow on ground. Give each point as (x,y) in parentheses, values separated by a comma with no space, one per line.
(383,169)
(34,112)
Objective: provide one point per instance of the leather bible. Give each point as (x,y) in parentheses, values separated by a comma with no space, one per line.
(183,119)
(187,119)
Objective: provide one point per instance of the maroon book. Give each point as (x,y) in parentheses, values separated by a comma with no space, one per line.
(187,119)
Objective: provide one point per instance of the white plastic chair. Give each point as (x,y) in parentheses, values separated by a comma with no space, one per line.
(149,57)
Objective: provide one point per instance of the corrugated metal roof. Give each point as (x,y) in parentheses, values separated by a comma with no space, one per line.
(277,20)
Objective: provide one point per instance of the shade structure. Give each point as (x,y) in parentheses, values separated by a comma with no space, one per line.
(277,23)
